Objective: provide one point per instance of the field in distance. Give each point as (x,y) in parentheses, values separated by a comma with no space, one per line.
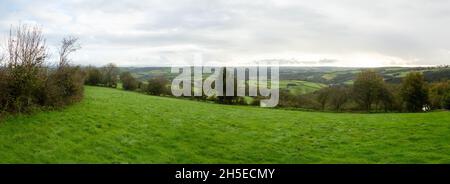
(302,80)
(114,126)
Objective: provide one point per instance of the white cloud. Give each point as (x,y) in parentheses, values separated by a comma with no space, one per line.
(145,33)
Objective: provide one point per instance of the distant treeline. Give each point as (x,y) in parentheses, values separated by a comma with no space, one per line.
(110,76)
(28,81)
(370,92)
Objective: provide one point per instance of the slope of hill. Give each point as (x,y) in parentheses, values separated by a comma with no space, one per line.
(114,126)
(319,75)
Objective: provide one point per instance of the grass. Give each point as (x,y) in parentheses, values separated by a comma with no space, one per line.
(300,87)
(114,126)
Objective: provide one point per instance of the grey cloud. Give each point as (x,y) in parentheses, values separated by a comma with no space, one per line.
(403,31)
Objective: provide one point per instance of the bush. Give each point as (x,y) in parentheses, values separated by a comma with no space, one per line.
(109,75)
(24,70)
(446,101)
(440,95)
(157,86)
(3,90)
(339,96)
(105,76)
(128,81)
(25,81)
(64,86)
(414,92)
(93,76)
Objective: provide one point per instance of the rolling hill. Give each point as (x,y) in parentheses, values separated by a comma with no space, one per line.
(114,126)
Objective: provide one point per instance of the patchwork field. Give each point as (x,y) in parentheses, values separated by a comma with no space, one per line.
(114,126)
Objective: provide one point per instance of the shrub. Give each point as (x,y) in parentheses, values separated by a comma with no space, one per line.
(93,76)
(440,95)
(109,75)
(3,90)
(27,83)
(25,67)
(323,96)
(64,86)
(414,92)
(446,101)
(157,86)
(339,96)
(128,81)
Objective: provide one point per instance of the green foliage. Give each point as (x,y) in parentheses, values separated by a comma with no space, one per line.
(63,86)
(366,88)
(128,81)
(93,76)
(27,84)
(339,96)
(323,96)
(105,76)
(110,73)
(157,86)
(440,95)
(414,92)
(446,103)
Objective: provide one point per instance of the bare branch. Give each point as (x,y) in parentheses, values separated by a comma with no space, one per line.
(68,45)
(26,47)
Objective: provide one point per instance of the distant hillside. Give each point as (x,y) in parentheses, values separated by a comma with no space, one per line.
(321,75)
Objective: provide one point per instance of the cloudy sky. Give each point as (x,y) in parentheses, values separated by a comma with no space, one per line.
(294,32)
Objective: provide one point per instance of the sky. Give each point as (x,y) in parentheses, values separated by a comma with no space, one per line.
(350,33)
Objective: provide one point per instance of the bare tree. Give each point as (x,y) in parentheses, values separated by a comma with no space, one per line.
(26,47)
(110,73)
(68,45)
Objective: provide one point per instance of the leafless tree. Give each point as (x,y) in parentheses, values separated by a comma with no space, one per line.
(26,47)
(110,73)
(68,45)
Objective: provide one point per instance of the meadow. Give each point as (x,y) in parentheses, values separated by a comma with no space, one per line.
(115,126)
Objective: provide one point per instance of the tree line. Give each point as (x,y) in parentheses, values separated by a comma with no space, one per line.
(110,76)
(29,81)
(370,92)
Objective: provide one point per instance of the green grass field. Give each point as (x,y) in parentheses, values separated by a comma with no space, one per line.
(114,126)
(300,87)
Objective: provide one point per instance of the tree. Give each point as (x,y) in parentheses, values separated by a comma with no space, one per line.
(25,72)
(366,88)
(440,95)
(323,95)
(414,92)
(128,81)
(110,73)
(287,99)
(157,86)
(338,96)
(67,81)
(446,103)
(387,98)
(68,46)
(224,98)
(93,76)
